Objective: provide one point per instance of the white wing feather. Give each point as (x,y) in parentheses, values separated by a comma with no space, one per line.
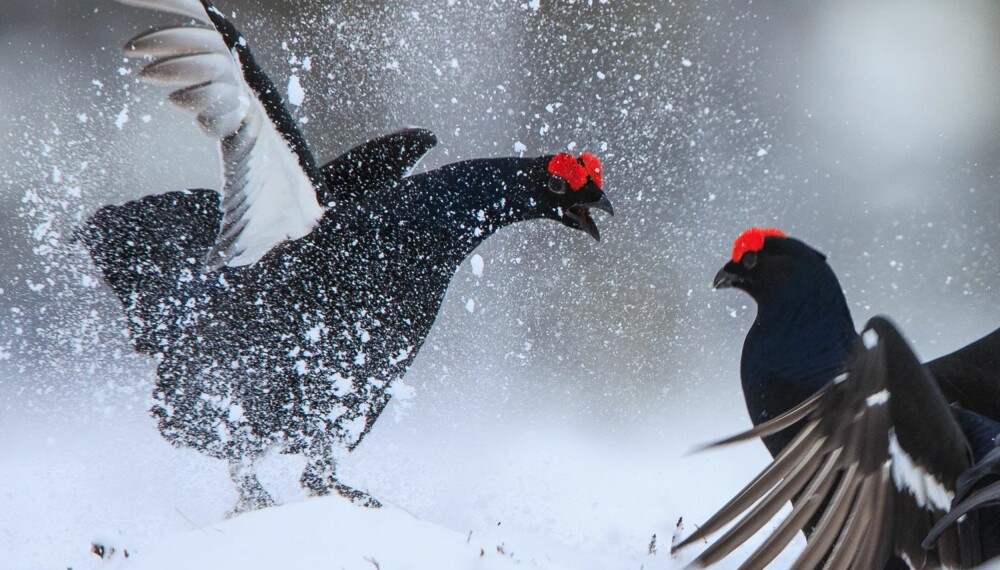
(189,8)
(267,196)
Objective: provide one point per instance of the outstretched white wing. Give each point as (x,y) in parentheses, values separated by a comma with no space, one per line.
(270,181)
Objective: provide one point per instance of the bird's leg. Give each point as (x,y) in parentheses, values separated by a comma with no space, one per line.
(360,498)
(320,478)
(252,495)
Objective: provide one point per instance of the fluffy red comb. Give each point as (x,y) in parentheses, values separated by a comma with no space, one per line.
(567,167)
(593,166)
(753,240)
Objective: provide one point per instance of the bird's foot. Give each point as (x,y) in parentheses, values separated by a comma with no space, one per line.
(320,478)
(246,503)
(252,495)
(359,498)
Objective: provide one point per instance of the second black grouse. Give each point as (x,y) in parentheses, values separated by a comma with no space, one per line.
(875,450)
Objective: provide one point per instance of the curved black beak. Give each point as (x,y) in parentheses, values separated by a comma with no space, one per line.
(603,205)
(725,279)
(579,216)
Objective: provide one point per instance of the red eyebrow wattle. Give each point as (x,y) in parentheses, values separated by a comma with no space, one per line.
(753,240)
(594,169)
(567,167)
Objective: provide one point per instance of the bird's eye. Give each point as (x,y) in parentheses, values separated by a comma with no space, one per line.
(749,259)
(557,185)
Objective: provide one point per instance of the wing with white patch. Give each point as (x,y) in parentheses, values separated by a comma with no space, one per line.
(270,180)
(978,488)
(873,466)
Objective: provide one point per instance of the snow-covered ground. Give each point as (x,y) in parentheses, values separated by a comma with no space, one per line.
(331,532)
(533,492)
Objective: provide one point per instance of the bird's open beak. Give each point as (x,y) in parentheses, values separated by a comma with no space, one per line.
(578,216)
(603,205)
(724,279)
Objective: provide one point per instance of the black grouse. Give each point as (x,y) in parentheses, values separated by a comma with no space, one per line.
(871,446)
(282,311)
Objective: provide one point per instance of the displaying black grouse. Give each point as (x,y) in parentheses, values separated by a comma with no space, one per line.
(282,311)
(871,446)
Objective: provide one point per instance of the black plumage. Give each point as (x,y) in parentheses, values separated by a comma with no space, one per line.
(871,446)
(298,348)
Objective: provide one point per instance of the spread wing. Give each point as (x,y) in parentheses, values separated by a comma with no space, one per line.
(873,468)
(978,488)
(270,179)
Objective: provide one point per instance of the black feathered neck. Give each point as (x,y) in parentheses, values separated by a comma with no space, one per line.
(459,205)
(802,337)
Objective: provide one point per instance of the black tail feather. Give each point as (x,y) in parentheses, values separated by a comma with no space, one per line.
(145,250)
